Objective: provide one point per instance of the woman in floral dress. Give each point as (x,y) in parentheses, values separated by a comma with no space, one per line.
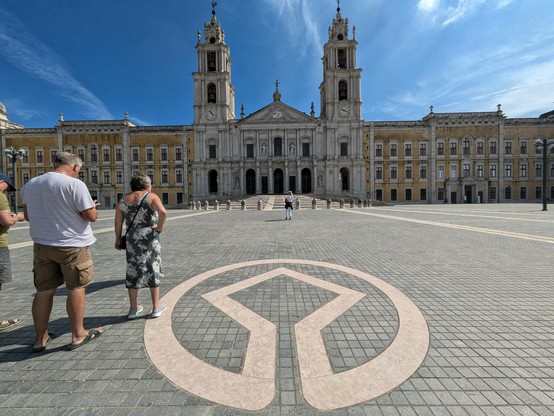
(144,216)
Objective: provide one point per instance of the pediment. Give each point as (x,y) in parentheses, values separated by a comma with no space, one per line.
(277,112)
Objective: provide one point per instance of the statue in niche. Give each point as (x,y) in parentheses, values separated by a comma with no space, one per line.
(291,148)
(320,180)
(264,149)
(237,181)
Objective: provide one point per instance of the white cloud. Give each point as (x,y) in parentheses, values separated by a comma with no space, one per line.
(24,51)
(428,6)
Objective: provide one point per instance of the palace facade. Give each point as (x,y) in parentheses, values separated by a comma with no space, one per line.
(444,157)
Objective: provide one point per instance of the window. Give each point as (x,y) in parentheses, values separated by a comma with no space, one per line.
(492,171)
(467,171)
(523,150)
(212,151)
(507,148)
(508,192)
(408,149)
(93,153)
(440,194)
(53,154)
(305,149)
(393,194)
(277,146)
(179,198)
(393,172)
(492,193)
(538,192)
(149,154)
(453,172)
(552,170)
(25,177)
(440,172)
(379,172)
(466,147)
(423,172)
(492,149)
(538,169)
(523,170)
(250,150)
(211,61)
(118,154)
(408,194)
(164,176)
(440,149)
(94,177)
(408,172)
(393,150)
(107,177)
(150,174)
(523,192)
(480,148)
(163,154)
(423,194)
(106,154)
(178,153)
(81,154)
(378,150)
(82,175)
(423,149)
(135,155)
(118,177)
(341,58)
(40,157)
(343,90)
(453,149)
(165,198)
(508,171)
(179,176)
(344,149)
(211,93)
(479,171)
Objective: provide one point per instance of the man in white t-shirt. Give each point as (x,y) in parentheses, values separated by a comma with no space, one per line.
(60,209)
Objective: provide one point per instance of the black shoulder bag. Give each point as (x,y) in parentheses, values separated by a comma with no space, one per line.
(123,240)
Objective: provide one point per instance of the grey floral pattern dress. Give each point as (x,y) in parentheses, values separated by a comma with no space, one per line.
(144,260)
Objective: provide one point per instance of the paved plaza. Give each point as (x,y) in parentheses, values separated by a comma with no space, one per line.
(404,310)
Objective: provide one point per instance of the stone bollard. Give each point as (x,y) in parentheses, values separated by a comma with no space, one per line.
(342,203)
(328,204)
(365,203)
(191,206)
(259,204)
(297,204)
(216,205)
(228,205)
(242,205)
(206,206)
(351,203)
(198,205)
(314,203)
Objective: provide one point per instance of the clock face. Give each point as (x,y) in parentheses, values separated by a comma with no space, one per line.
(344,110)
(277,114)
(211,113)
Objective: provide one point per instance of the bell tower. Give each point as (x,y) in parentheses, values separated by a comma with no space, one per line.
(214,94)
(340,91)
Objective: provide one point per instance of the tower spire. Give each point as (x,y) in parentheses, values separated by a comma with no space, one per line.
(214,3)
(338,6)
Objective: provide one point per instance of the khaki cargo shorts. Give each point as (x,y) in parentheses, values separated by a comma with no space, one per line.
(54,266)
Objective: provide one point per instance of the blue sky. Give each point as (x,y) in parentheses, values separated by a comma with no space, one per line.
(98,59)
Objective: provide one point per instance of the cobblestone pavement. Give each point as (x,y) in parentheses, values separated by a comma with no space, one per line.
(406,310)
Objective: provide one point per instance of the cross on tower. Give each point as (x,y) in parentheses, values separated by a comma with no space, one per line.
(214,3)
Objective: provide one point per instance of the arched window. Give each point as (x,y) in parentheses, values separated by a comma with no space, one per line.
(341,58)
(277,146)
(343,90)
(211,62)
(211,93)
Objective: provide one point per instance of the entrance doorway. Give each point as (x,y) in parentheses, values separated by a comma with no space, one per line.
(212,182)
(306,181)
(344,180)
(453,197)
(467,194)
(250,182)
(278,183)
(292,184)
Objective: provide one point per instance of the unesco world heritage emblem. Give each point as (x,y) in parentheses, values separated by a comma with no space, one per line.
(254,387)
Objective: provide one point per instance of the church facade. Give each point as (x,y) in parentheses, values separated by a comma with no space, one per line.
(444,157)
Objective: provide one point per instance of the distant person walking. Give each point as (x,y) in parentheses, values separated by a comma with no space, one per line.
(144,216)
(288,206)
(7,219)
(60,209)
